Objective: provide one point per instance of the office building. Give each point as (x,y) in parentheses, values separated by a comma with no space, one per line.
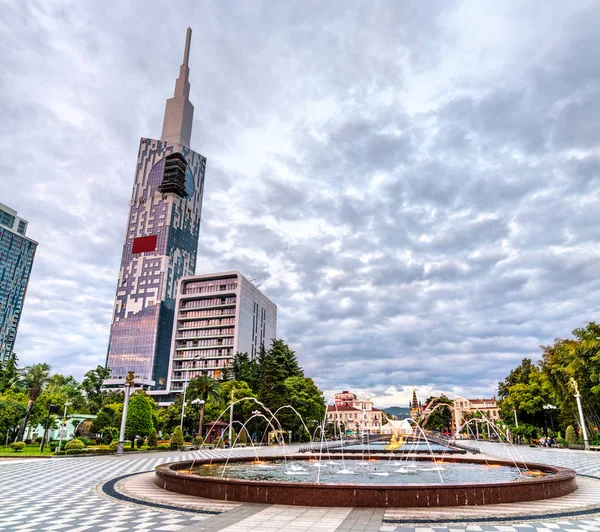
(217,315)
(16,259)
(160,247)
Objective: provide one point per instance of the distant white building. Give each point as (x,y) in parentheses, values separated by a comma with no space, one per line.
(216,316)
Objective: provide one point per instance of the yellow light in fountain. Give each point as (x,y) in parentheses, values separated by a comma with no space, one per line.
(395,443)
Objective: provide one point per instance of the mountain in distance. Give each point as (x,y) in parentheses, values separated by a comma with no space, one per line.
(401,412)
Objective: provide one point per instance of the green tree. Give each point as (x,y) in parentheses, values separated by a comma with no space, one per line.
(177,437)
(33,379)
(570,437)
(139,417)
(245,369)
(153,439)
(9,373)
(11,412)
(526,390)
(206,389)
(241,411)
(92,385)
(304,395)
(439,417)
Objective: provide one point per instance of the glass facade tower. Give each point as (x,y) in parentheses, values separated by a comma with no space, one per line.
(160,244)
(16,258)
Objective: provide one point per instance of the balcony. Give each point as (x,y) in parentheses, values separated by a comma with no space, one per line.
(215,346)
(208,307)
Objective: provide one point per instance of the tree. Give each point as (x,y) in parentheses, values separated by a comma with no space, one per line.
(153,439)
(177,437)
(92,385)
(33,379)
(246,370)
(9,373)
(11,412)
(570,437)
(304,395)
(241,411)
(139,417)
(440,417)
(526,390)
(206,389)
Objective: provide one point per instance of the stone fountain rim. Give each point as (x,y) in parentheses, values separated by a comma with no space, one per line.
(559,474)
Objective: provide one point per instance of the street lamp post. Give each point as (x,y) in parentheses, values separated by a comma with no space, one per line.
(185,386)
(64,425)
(575,387)
(231,419)
(255,413)
(129,382)
(550,409)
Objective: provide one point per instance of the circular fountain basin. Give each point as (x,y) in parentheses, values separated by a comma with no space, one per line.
(363,484)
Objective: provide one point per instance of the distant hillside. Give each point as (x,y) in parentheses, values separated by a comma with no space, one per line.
(400,412)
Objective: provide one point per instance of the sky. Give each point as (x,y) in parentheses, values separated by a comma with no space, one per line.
(414,184)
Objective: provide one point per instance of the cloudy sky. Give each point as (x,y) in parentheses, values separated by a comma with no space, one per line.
(414,184)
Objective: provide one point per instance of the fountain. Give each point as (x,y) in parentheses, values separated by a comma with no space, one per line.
(403,470)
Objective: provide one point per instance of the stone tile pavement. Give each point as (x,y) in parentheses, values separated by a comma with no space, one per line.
(61,494)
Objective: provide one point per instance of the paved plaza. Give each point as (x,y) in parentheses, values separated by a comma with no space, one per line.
(114,494)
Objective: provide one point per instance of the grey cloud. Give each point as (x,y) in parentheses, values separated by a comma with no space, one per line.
(433,228)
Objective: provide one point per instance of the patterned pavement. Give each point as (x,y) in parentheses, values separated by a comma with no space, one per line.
(62,494)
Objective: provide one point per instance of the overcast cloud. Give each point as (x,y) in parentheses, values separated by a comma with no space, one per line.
(414,184)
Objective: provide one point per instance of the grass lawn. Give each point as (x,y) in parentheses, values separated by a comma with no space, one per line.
(30,450)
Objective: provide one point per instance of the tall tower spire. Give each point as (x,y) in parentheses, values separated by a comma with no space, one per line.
(179,111)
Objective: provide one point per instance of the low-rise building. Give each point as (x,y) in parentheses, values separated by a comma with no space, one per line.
(356,415)
(463,409)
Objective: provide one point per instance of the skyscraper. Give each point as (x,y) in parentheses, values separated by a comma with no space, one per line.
(16,258)
(160,243)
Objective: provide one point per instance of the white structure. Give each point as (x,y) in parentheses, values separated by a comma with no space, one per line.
(216,316)
(398,427)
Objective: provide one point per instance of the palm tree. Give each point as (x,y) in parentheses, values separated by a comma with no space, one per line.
(33,379)
(204,388)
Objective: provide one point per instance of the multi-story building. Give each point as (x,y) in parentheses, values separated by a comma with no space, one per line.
(160,244)
(217,315)
(356,415)
(463,409)
(16,258)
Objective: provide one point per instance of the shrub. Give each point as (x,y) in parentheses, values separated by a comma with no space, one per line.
(53,445)
(113,446)
(27,442)
(197,441)
(85,441)
(177,437)
(140,441)
(74,444)
(153,439)
(17,446)
(38,440)
(570,437)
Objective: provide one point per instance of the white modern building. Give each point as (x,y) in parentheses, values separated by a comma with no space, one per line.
(216,316)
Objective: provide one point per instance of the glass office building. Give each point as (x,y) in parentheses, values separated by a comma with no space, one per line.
(160,244)
(16,259)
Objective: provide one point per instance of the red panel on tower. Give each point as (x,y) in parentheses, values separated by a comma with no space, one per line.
(142,244)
